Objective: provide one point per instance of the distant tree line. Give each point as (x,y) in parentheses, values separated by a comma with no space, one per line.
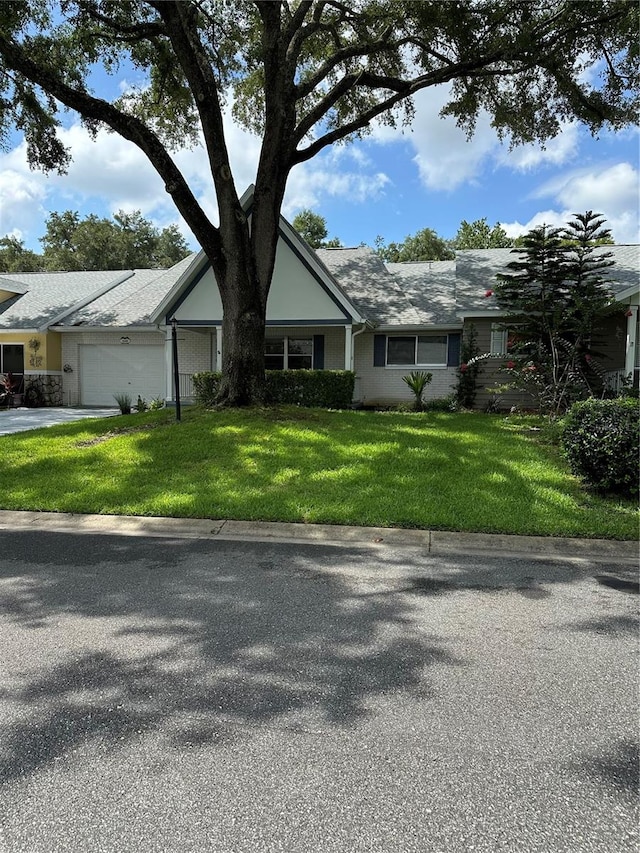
(424,245)
(128,241)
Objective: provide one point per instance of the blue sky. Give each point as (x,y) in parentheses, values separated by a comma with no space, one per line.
(392,183)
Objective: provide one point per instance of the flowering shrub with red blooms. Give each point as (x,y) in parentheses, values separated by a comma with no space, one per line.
(511,365)
(488,293)
(463,368)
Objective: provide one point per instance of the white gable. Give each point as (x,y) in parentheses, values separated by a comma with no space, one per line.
(297,294)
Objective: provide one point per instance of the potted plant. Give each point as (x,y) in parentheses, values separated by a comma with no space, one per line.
(9,386)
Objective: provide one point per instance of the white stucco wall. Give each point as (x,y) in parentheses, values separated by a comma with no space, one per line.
(295,294)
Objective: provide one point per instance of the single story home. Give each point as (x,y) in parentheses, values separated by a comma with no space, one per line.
(81,337)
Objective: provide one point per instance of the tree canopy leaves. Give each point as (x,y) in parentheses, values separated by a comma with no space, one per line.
(480,235)
(304,75)
(312,227)
(128,242)
(424,245)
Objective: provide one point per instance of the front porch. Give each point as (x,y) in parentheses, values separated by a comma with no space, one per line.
(286,348)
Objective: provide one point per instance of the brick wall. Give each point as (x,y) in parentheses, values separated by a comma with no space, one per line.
(381,386)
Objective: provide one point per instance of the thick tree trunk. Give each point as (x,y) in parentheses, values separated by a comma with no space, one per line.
(243,332)
(242,358)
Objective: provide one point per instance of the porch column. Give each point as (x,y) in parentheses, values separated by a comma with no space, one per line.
(219,349)
(348,348)
(630,351)
(168,364)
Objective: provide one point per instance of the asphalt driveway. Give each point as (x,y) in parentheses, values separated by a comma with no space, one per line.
(18,420)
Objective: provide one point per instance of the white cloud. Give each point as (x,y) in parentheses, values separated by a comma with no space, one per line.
(557,151)
(609,190)
(612,191)
(108,174)
(307,186)
(21,200)
(446,158)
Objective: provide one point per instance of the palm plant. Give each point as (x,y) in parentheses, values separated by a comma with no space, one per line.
(417,382)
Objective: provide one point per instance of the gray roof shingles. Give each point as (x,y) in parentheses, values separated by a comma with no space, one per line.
(376,293)
(409,294)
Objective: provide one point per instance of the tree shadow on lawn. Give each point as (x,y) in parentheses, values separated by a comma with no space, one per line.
(193,640)
(351,472)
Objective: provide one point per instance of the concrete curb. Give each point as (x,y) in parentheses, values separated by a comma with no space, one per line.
(433,542)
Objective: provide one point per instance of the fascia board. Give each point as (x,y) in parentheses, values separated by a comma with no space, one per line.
(13,286)
(428,327)
(199,261)
(469,315)
(89,328)
(627,294)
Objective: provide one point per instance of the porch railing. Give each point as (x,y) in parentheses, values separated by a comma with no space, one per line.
(614,380)
(185,384)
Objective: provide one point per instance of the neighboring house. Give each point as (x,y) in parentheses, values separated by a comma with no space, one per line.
(83,337)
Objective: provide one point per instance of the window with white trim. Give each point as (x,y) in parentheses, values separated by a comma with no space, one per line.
(417,350)
(285,353)
(499,336)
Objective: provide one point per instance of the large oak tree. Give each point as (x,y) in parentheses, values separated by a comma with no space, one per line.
(304,75)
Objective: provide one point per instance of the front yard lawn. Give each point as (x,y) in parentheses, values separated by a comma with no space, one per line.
(467,472)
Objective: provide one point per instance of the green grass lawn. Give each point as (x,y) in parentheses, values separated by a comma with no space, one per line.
(468,472)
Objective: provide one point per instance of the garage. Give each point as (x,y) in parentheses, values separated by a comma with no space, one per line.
(121,369)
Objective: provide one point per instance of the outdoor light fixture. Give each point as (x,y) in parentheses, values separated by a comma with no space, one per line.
(125,340)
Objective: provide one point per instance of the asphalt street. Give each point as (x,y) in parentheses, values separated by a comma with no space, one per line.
(175,694)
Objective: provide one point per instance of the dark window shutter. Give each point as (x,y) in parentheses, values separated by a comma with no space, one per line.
(453,350)
(318,352)
(379,350)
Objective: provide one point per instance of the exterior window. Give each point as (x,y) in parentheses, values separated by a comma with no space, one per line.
(274,354)
(417,349)
(12,360)
(498,339)
(288,353)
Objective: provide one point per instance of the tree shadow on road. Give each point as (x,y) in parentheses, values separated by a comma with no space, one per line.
(193,640)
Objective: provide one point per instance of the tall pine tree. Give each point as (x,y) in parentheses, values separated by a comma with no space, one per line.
(555,296)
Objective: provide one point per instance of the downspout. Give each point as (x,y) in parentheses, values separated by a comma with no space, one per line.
(353,349)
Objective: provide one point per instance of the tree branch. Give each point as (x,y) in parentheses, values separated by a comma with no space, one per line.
(127,126)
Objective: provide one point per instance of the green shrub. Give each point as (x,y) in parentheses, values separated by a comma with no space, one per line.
(327,389)
(600,439)
(442,404)
(206,385)
(417,382)
(124,402)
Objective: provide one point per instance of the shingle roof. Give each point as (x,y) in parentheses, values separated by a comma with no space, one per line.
(431,288)
(377,294)
(132,302)
(409,294)
(50,294)
(476,271)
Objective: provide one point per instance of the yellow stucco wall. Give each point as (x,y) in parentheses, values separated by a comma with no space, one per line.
(47,357)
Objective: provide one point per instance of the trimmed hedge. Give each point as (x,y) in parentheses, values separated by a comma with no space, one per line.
(600,439)
(326,389)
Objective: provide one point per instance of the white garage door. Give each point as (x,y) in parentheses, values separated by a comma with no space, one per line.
(124,368)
